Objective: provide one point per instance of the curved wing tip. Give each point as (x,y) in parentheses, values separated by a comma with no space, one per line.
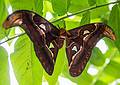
(49,70)
(75,74)
(109,33)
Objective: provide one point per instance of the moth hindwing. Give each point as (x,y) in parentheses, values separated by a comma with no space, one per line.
(81,41)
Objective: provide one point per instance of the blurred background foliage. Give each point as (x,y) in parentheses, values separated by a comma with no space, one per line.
(103,67)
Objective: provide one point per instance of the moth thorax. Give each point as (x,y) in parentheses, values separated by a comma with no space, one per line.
(62,33)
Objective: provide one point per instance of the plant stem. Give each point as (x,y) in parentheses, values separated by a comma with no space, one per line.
(87,9)
(12,38)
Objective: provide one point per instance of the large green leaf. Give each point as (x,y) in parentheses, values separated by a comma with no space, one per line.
(109,43)
(39,6)
(4,68)
(77,5)
(26,66)
(114,21)
(92,2)
(47,7)
(60,24)
(97,58)
(100,83)
(114,63)
(72,24)
(84,78)
(3,13)
(60,6)
(101,12)
(113,69)
(85,19)
(23,4)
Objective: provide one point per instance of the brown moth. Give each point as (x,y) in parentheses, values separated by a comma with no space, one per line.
(79,41)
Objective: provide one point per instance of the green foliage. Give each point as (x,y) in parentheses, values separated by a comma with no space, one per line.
(59,6)
(99,58)
(4,68)
(85,18)
(26,65)
(27,68)
(114,21)
(3,13)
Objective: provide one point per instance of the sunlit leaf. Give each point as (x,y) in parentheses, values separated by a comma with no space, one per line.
(113,69)
(92,2)
(97,58)
(100,12)
(85,19)
(26,66)
(72,24)
(4,67)
(3,13)
(77,5)
(60,24)
(23,4)
(114,21)
(39,6)
(59,6)
(100,83)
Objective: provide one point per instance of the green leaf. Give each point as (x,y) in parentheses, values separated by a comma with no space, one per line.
(113,69)
(4,67)
(38,6)
(97,58)
(85,19)
(114,21)
(109,43)
(77,5)
(101,12)
(47,7)
(26,66)
(72,24)
(23,4)
(3,13)
(60,6)
(106,78)
(100,83)
(60,24)
(92,2)
(84,78)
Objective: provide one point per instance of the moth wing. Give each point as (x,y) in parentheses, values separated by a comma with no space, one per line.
(77,56)
(48,54)
(41,32)
(80,42)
